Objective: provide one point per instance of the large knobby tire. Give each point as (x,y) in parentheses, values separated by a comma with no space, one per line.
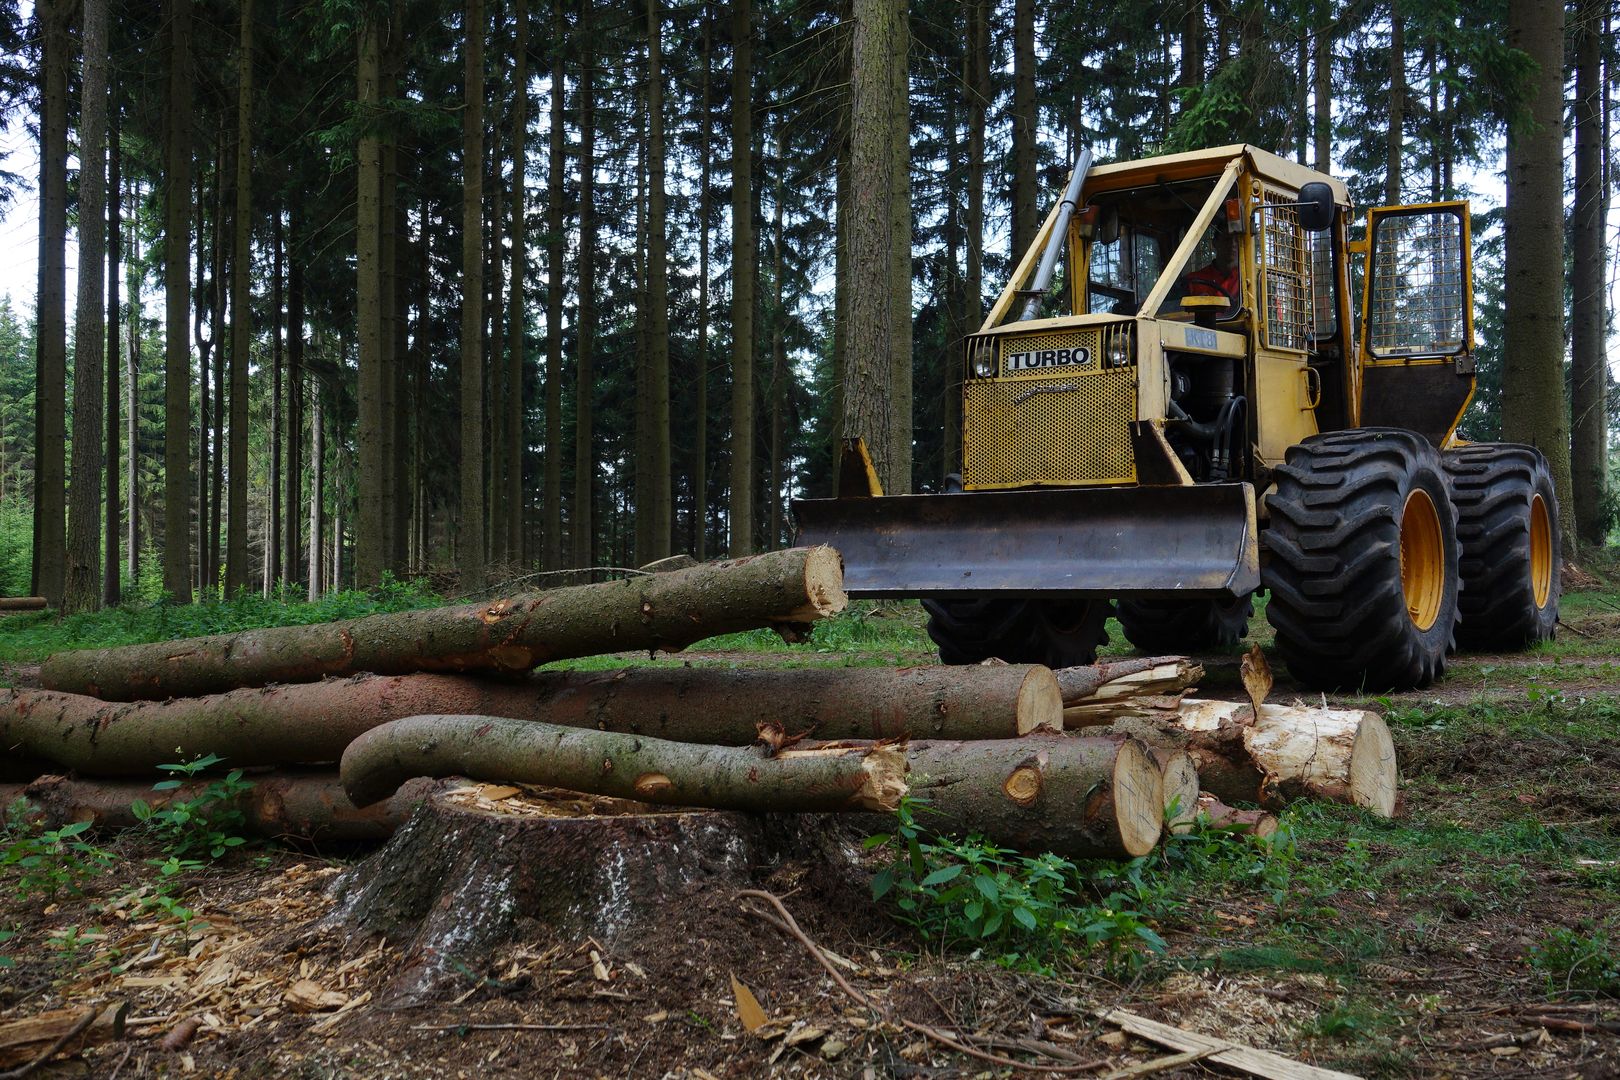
(1507,525)
(1156,627)
(1363,560)
(1057,633)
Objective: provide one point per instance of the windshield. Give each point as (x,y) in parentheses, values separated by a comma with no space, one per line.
(1136,232)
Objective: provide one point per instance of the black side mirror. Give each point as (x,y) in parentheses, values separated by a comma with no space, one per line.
(1316,207)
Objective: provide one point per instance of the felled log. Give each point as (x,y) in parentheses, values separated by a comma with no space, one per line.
(1178,790)
(1081,798)
(27,1039)
(781,589)
(1221,816)
(621,766)
(22,603)
(1096,693)
(1291,752)
(309,806)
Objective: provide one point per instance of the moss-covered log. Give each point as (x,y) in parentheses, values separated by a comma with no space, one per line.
(1291,752)
(1079,797)
(307,806)
(621,766)
(781,589)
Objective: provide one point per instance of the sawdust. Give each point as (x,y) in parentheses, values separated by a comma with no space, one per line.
(1233,1007)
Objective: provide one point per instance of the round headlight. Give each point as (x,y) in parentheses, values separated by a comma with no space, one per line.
(1119,350)
(984,363)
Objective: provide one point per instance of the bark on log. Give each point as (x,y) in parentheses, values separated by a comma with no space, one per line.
(307,806)
(457,886)
(1221,816)
(781,589)
(621,766)
(303,723)
(1081,798)
(22,603)
(24,1040)
(1179,791)
(1292,752)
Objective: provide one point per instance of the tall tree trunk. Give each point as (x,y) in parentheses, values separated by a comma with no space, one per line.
(778,352)
(1322,87)
(369,533)
(111,568)
(517,320)
(978,98)
(556,253)
(899,347)
(1192,47)
(83,587)
(50,340)
(653,510)
(1533,408)
(217,316)
(1590,376)
(1025,126)
(742,282)
(955,297)
(272,543)
(388,301)
(700,408)
(583,516)
(292,533)
(205,303)
(177,309)
(841,290)
(132,380)
(874,408)
(317,493)
(471,537)
(236,549)
(1395,137)
(495,357)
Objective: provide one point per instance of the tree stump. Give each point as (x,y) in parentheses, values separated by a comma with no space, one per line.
(480,869)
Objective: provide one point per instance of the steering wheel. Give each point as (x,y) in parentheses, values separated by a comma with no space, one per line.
(1123,296)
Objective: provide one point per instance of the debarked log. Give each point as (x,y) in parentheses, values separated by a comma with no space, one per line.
(1291,752)
(621,766)
(308,806)
(780,589)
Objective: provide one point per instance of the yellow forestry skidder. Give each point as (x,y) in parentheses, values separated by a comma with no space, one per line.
(1193,415)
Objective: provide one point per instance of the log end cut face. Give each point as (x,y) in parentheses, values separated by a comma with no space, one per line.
(1040,701)
(1179,793)
(1374,774)
(824,583)
(1138,787)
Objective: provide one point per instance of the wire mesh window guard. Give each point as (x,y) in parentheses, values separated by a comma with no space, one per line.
(1287,305)
(1416,302)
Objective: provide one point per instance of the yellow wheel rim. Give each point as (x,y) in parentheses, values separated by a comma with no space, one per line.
(1423,561)
(1540,550)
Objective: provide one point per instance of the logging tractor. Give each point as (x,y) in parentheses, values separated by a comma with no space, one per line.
(1179,401)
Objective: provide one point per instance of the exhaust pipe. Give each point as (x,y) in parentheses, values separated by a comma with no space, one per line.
(1054,243)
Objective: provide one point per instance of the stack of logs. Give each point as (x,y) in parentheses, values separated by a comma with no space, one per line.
(1083,762)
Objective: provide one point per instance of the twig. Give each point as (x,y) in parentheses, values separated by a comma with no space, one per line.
(510,1027)
(1158,1065)
(66,1037)
(118,1068)
(792,926)
(1575,629)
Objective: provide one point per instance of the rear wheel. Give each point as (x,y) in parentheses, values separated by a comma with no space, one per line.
(1057,633)
(1363,560)
(1178,626)
(1507,525)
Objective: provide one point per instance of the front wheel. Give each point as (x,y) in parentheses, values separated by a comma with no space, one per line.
(1057,633)
(1363,561)
(1507,524)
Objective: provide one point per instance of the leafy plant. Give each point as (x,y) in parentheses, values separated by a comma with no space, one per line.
(209,822)
(1578,961)
(49,861)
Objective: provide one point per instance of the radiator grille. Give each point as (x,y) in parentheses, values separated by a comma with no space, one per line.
(1059,428)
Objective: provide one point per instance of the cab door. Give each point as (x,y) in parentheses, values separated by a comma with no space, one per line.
(1417,319)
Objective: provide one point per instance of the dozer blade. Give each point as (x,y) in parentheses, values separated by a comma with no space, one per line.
(1074,542)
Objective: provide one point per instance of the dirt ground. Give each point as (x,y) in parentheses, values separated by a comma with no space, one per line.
(1380,948)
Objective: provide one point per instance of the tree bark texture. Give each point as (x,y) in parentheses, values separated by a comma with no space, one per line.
(317,491)
(1322,87)
(470,540)
(1533,405)
(700,375)
(23,603)
(742,282)
(111,568)
(1589,382)
(311,722)
(1025,129)
(621,766)
(278,417)
(49,577)
(583,523)
(782,589)
(83,586)
(236,546)
(303,805)
(1395,135)
(292,532)
(1292,752)
(132,413)
(517,318)
(1080,797)
(653,515)
(368,298)
(24,1039)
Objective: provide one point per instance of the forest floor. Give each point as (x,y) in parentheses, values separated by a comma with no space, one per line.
(1475,934)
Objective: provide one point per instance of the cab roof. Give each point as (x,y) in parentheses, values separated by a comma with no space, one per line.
(1196,164)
